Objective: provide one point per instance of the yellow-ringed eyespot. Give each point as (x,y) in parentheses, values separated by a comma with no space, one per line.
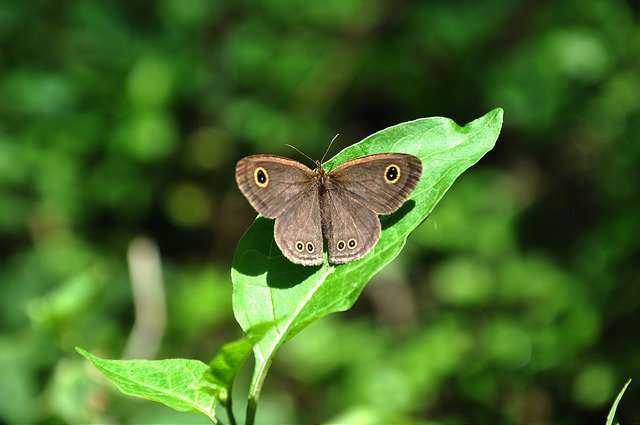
(299,246)
(392,173)
(261,177)
(310,247)
(340,246)
(352,243)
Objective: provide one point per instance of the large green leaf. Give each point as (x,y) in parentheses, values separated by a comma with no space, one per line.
(268,288)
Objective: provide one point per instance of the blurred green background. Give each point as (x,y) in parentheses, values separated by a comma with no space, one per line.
(120,126)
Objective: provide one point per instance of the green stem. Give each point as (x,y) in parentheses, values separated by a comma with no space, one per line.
(228,407)
(257,381)
(251,411)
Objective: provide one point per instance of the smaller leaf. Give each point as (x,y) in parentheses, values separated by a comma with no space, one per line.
(614,407)
(224,367)
(176,383)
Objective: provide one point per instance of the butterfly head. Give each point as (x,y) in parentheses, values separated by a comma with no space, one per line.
(320,172)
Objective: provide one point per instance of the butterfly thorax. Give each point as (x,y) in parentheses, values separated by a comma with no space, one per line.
(321,176)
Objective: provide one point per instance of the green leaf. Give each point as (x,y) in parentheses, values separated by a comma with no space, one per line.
(614,407)
(223,370)
(177,383)
(268,288)
(225,365)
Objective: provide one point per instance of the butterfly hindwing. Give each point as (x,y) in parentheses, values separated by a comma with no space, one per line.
(298,230)
(382,182)
(351,229)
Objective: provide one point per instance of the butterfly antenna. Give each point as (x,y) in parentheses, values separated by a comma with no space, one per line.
(329,147)
(302,153)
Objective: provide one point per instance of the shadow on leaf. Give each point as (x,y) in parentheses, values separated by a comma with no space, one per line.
(258,254)
(387,221)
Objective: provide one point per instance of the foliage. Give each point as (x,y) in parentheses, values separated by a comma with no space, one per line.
(269,289)
(614,406)
(274,299)
(515,301)
(174,383)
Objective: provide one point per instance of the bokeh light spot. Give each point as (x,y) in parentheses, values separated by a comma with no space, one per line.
(187,204)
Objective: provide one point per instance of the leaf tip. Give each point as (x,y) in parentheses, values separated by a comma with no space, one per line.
(87,355)
(614,406)
(498,113)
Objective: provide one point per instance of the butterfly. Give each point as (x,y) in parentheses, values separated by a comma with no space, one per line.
(341,206)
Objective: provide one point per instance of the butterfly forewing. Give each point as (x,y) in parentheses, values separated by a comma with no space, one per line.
(382,182)
(272,183)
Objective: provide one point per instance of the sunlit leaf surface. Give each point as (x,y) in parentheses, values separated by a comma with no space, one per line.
(177,383)
(268,288)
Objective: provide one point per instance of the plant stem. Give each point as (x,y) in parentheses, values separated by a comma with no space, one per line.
(257,381)
(252,405)
(228,407)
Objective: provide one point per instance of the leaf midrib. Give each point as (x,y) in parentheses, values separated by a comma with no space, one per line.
(281,334)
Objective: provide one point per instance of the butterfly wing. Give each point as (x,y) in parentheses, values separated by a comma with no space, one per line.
(272,183)
(381,182)
(286,190)
(356,192)
(351,228)
(298,230)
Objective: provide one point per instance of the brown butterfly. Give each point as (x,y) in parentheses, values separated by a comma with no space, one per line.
(341,206)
